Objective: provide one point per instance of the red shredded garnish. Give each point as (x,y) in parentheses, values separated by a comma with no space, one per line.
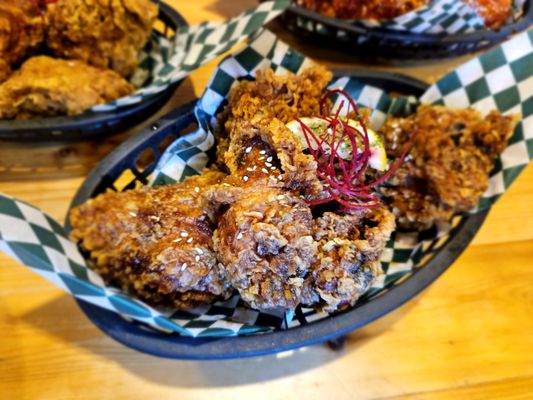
(344,180)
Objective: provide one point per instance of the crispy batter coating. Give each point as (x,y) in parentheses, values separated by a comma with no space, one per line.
(103,33)
(265,246)
(258,110)
(45,87)
(21,30)
(449,164)
(282,97)
(349,247)
(155,242)
(282,157)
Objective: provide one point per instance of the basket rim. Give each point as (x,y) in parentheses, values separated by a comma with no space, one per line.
(175,346)
(422,38)
(57,128)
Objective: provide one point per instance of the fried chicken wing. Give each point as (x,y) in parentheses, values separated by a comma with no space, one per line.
(155,242)
(103,33)
(265,246)
(449,164)
(363,9)
(494,12)
(45,87)
(281,97)
(21,30)
(258,111)
(349,247)
(263,239)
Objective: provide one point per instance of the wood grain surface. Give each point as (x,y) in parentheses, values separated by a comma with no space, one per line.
(468,336)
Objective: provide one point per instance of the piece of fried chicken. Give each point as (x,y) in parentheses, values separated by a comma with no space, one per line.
(448,167)
(277,96)
(263,239)
(258,111)
(45,87)
(265,245)
(21,30)
(103,33)
(155,242)
(349,247)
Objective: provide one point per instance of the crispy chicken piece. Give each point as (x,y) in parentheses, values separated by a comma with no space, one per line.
(282,97)
(21,30)
(449,164)
(258,111)
(155,242)
(295,170)
(265,246)
(45,87)
(103,33)
(349,248)
(263,239)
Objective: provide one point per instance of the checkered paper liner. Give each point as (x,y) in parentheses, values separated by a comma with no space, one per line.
(436,17)
(165,61)
(37,241)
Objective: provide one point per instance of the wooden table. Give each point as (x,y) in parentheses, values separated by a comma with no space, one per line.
(470,335)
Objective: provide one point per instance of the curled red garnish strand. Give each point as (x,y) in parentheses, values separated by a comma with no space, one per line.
(344,180)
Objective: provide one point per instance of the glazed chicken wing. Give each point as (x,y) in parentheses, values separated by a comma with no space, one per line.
(21,30)
(45,87)
(449,164)
(103,33)
(155,242)
(258,111)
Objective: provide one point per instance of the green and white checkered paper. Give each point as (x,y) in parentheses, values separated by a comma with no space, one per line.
(501,79)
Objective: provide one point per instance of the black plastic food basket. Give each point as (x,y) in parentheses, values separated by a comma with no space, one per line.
(90,125)
(390,45)
(149,143)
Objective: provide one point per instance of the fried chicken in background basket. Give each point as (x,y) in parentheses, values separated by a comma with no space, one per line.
(363,9)
(46,87)
(21,31)
(493,12)
(155,242)
(103,33)
(107,34)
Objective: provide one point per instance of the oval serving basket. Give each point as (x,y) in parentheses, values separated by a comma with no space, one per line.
(123,169)
(94,124)
(389,45)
